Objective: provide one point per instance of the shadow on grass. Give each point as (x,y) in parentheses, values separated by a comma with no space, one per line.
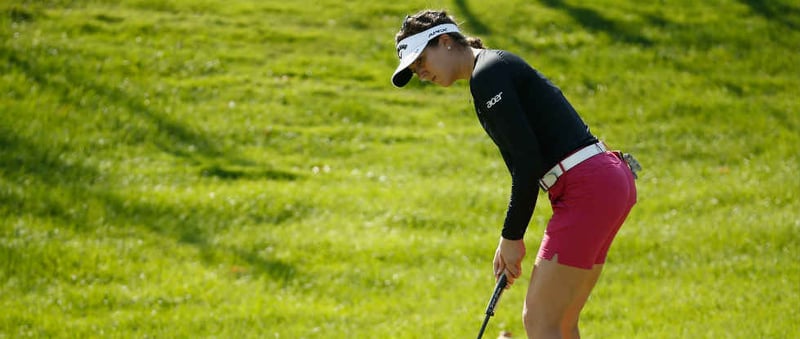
(596,22)
(46,178)
(171,136)
(473,22)
(775,11)
(479,29)
(245,172)
(167,134)
(44,185)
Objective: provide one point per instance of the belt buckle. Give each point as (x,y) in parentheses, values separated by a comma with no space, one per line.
(548,180)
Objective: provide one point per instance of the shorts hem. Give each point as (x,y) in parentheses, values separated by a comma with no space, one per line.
(567,262)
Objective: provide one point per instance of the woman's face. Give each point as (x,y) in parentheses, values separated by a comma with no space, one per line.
(435,64)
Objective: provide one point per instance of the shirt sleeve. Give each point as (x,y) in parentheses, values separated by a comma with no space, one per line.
(504,119)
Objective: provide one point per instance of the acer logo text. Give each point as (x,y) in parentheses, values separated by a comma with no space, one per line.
(494,101)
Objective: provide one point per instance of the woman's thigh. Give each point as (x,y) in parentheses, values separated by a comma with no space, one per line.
(554,288)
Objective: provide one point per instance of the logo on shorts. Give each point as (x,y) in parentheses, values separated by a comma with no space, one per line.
(494,100)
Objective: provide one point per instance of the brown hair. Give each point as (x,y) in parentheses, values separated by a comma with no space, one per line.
(426,19)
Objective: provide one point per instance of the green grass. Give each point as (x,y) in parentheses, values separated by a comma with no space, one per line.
(245,169)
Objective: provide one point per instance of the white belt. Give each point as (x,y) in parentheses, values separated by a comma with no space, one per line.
(549,179)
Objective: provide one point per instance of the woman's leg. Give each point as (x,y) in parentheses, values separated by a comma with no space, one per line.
(590,203)
(569,324)
(556,294)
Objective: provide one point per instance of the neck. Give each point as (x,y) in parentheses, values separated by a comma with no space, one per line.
(467,63)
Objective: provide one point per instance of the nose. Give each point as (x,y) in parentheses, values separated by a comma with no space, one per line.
(423,74)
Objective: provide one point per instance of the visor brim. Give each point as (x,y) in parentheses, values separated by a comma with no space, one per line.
(410,48)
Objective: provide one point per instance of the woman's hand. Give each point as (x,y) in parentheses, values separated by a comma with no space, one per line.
(508,258)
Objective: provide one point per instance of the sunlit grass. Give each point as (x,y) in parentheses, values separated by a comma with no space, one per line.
(245,169)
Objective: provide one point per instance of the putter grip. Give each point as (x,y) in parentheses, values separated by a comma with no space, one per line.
(498,291)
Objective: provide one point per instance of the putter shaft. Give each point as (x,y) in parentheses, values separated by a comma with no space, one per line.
(498,291)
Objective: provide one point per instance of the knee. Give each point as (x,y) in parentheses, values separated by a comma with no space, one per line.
(569,329)
(539,324)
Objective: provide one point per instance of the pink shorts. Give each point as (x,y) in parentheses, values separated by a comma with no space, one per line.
(590,202)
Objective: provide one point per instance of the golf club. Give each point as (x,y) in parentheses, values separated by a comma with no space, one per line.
(498,290)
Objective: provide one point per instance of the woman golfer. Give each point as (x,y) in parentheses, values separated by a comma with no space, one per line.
(545,144)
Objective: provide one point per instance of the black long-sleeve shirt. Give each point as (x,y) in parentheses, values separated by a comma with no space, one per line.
(530,121)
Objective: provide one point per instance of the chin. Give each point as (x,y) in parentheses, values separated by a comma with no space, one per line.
(446,83)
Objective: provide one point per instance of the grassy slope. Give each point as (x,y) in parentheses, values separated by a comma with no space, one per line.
(238,169)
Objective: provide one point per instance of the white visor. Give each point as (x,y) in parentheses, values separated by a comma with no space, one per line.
(409,49)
